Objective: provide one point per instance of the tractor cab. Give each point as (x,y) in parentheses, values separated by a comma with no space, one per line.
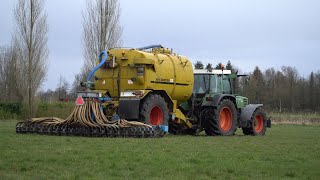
(216,81)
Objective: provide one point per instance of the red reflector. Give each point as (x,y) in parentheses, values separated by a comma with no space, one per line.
(79,101)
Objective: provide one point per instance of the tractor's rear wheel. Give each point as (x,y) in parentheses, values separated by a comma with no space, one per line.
(154,110)
(257,124)
(221,120)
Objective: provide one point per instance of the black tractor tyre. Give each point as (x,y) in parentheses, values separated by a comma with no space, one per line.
(221,120)
(154,110)
(257,124)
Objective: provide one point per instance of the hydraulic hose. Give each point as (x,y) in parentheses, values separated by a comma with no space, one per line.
(149,47)
(99,65)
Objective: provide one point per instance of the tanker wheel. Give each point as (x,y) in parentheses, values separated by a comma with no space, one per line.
(154,110)
(257,124)
(221,120)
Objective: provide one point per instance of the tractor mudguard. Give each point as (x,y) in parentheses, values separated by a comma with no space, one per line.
(246,114)
(129,108)
(215,100)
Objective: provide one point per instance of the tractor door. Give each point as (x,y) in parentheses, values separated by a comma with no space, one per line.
(201,83)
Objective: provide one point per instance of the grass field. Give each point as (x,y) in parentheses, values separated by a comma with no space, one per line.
(286,152)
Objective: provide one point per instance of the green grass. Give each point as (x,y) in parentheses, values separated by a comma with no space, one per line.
(55,109)
(286,152)
(44,109)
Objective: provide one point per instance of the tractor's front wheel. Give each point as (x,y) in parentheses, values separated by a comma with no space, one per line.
(257,124)
(154,110)
(221,120)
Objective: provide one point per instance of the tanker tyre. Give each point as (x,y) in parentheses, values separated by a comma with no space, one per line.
(154,110)
(257,124)
(221,120)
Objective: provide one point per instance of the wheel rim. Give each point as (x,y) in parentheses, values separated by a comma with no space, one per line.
(156,116)
(225,119)
(258,123)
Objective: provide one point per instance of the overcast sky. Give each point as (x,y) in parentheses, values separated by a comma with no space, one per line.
(264,33)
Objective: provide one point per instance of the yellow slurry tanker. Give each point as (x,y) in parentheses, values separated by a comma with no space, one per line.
(140,91)
(145,86)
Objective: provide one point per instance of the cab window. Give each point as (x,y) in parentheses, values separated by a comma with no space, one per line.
(220,84)
(201,83)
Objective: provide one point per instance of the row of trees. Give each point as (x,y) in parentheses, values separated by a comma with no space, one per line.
(61,93)
(284,90)
(23,63)
(279,90)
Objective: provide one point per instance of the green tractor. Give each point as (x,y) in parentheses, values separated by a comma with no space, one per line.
(216,109)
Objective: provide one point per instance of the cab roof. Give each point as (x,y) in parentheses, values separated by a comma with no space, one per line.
(214,71)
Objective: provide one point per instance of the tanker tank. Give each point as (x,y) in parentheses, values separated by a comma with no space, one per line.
(130,70)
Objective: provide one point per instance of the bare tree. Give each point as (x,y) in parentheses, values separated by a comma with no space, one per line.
(31,37)
(8,69)
(101,30)
(4,72)
(291,74)
(63,88)
(76,85)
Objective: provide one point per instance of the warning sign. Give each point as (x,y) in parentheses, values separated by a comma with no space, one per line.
(79,101)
